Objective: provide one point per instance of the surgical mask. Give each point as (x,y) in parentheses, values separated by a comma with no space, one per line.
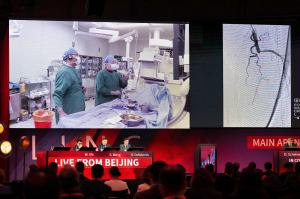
(78,61)
(114,66)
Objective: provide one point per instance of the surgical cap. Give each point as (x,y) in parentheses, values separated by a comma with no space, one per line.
(109,59)
(70,51)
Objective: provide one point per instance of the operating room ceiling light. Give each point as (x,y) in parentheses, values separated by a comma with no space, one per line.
(161,43)
(104,31)
(116,25)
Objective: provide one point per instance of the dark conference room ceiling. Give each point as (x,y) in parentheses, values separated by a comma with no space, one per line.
(198,10)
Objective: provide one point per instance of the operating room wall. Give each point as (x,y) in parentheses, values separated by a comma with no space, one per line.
(119,47)
(91,46)
(40,42)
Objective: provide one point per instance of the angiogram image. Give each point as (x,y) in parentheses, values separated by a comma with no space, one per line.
(256,75)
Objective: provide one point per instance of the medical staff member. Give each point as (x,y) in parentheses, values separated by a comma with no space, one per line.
(109,82)
(68,93)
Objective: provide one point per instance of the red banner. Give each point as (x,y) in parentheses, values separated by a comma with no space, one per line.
(270,142)
(131,164)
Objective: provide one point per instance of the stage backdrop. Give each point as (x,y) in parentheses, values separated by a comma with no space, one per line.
(172,146)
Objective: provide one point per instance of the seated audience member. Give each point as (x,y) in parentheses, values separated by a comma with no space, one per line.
(115,183)
(250,168)
(268,169)
(41,185)
(202,186)
(33,168)
(95,188)
(271,181)
(225,183)
(172,183)
(69,179)
(250,186)
(289,170)
(80,169)
(183,170)
(293,182)
(154,170)
(5,191)
(210,168)
(53,168)
(181,167)
(145,180)
(253,169)
(236,171)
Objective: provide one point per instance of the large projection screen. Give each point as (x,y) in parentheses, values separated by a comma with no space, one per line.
(99,75)
(256,75)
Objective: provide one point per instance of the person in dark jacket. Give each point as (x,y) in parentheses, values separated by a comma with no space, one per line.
(95,188)
(154,192)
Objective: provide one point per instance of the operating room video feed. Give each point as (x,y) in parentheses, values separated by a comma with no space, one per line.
(79,74)
(256,75)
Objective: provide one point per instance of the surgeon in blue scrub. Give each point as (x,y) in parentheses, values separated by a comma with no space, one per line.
(109,82)
(68,93)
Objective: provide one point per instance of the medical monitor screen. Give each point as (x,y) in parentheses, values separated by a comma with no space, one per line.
(256,75)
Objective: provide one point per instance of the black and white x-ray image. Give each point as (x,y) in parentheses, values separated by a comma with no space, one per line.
(256,75)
